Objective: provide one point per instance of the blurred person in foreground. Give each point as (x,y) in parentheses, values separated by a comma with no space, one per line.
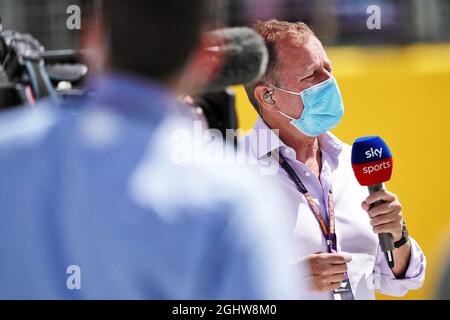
(300,98)
(94,204)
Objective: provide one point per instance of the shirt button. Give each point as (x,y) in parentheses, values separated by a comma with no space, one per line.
(307,173)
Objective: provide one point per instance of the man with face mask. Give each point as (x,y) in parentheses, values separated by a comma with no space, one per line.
(300,98)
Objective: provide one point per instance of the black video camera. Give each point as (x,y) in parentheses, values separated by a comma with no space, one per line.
(28,72)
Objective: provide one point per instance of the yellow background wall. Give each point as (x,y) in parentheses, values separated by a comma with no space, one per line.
(403,95)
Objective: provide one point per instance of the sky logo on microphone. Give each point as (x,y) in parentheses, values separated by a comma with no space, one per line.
(371,160)
(374,153)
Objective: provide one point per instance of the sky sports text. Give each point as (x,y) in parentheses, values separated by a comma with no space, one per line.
(374,168)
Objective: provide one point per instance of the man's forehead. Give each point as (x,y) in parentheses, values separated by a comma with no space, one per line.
(300,51)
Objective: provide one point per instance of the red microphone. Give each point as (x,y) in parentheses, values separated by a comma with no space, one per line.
(372,164)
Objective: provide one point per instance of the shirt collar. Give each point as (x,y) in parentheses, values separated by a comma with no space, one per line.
(265,140)
(330,144)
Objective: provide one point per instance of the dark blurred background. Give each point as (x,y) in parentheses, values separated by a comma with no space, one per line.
(344,21)
(45,20)
(337,22)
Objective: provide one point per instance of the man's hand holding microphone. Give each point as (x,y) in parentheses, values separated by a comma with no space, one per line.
(372,163)
(385,217)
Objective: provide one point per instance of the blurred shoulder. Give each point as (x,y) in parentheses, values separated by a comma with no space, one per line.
(186,172)
(186,165)
(25,126)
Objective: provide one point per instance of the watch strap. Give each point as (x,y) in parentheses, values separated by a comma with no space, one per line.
(404,238)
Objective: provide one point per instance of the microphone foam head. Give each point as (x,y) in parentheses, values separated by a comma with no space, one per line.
(371,160)
(245,56)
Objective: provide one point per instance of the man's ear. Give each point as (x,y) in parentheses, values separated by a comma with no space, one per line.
(202,68)
(93,39)
(265,97)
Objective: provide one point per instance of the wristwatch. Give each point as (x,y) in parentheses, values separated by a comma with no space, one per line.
(404,238)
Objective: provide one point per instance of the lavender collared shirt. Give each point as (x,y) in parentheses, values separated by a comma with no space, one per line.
(368,270)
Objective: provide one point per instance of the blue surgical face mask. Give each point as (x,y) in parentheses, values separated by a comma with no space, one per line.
(323,108)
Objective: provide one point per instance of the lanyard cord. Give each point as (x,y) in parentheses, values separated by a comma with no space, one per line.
(329,234)
(344,293)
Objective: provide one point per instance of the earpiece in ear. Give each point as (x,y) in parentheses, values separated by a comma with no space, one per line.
(268,98)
